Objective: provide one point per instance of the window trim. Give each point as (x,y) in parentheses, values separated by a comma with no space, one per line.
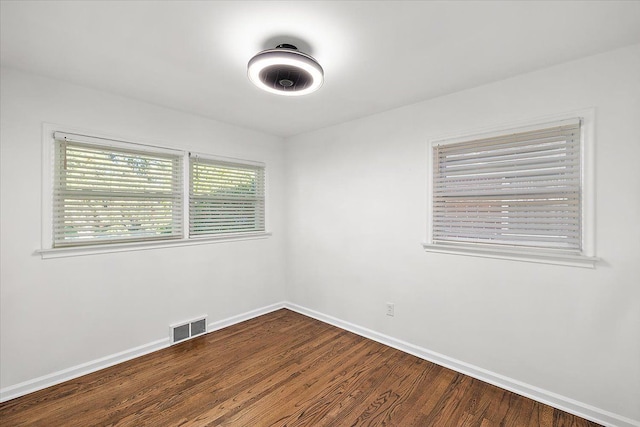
(223,160)
(141,246)
(587,258)
(47,251)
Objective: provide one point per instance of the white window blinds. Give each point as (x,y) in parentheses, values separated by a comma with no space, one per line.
(107,194)
(225,197)
(516,190)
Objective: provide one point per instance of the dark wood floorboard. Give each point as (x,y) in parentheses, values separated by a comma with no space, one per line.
(280,369)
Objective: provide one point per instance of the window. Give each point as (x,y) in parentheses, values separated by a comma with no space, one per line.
(515,194)
(225,197)
(106,195)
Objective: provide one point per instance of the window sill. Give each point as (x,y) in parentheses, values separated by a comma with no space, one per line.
(515,255)
(142,246)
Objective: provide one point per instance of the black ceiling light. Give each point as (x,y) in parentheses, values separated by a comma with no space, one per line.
(285,71)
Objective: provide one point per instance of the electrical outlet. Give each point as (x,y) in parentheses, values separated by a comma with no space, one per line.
(390,309)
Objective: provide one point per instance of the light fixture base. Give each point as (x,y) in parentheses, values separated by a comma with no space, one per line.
(286,46)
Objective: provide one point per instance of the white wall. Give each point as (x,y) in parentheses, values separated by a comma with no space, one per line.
(356,217)
(353,209)
(58,313)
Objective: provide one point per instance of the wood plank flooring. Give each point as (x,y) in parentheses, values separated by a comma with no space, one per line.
(281,369)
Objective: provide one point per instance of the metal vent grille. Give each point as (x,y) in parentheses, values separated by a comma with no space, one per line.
(188,329)
(181,333)
(198,327)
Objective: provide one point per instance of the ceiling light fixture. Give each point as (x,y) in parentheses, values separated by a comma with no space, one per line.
(285,71)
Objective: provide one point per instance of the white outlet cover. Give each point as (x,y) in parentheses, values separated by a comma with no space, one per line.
(390,309)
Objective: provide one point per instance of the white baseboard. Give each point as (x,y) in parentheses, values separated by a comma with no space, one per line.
(563,403)
(549,398)
(58,377)
(220,324)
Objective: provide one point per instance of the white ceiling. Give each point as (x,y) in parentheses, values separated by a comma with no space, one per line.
(377,55)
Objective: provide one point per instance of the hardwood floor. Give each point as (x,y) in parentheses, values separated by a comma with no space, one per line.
(281,369)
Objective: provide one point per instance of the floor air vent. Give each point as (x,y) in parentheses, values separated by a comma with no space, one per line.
(188,329)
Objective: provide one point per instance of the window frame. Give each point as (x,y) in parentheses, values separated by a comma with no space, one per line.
(587,257)
(224,161)
(47,249)
(77,142)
